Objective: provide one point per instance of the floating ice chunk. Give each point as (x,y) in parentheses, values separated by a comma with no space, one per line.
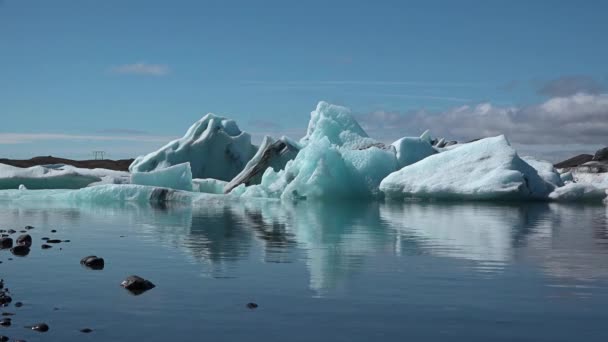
(410,150)
(208,185)
(178,177)
(40,177)
(566,177)
(214,146)
(273,154)
(545,170)
(22,187)
(324,170)
(486,169)
(578,192)
(336,124)
(599,180)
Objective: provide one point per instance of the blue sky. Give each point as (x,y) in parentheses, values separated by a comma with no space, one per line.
(125,76)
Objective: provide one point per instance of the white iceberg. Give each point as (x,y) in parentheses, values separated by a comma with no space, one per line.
(57,177)
(578,192)
(208,185)
(545,170)
(410,150)
(178,177)
(485,169)
(214,146)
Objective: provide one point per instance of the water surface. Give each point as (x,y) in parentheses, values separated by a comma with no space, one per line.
(319,272)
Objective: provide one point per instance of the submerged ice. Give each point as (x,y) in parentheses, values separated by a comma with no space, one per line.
(336,159)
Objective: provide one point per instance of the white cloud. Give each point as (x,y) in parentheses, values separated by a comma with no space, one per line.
(24,138)
(141,68)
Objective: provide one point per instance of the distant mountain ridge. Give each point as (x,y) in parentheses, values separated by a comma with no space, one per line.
(117,165)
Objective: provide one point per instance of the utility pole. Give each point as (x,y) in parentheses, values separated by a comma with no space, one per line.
(99,155)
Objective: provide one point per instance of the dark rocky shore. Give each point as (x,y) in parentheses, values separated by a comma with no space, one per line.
(117,165)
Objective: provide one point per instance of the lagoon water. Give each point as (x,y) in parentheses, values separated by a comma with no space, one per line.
(319,272)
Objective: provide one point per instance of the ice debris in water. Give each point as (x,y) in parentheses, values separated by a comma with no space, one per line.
(208,185)
(214,146)
(55,177)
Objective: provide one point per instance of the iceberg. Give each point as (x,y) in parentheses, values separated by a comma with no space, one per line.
(578,192)
(208,185)
(545,170)
(214,146)
(410,150)
(57,177)
(485,169)
(273,154)
(178,177)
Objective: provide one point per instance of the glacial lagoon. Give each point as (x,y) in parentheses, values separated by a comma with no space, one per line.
(319,271)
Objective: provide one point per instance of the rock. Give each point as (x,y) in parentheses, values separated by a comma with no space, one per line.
(137,285)
(6,242)
(86,330)
(8,314)
(93,262)
(24,240)
(601,154)
(53,241)
(5,299)
(45,246)
(20,250)
(574,161)
(252,306)
(66,240)
(11,231)
(3,338)
(18,304)
(45,238)
(53,231)
(23,231)
(5,322)
(29,227)
(40,327)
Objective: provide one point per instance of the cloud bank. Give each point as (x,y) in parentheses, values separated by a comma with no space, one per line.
(581,118)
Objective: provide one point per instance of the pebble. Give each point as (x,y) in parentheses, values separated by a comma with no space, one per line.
(53,241)
(18,304)
(93,262)
(53,231)
(29,227)
(5,322)
(252,306)
(86,330)
(6,242)
(8,314)
(24,240)
(137,285)
(40,327)
(45,246)
(45,238)
(11,231)
(20,250)
(3,338)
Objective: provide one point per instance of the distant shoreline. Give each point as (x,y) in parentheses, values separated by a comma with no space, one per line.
(117,165)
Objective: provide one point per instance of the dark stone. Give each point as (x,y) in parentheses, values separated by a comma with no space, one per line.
(66,240)
(11,231)
(5,235)
(5,322)
(8,314)
(574,161)
(252,306)
(53,241)
(3,338)
(23,231)
(86,330)
(18,304)
(40,327)
(601,155)
(6,242)
(45,246)
(20,250)
(92,262)
(5,299)
(137,285)
(24,240)
(53,231)
(45,238)
(29,227)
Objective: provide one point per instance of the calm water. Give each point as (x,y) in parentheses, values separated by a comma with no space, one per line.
(319,272)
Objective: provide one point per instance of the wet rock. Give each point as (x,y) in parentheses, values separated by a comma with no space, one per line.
(5,235)
(6,242)
(18,304)
(252,306)
(5,322)
(3,338)
(4,298)
(66,240)
(29,227)
(20,250)
(24,240)
(53,231)
(92,262)
(137,285)
(45,238)
(53,241)
(86,330)
(23,231)
(8,314)
(40,327)
(11,231)
(45,246)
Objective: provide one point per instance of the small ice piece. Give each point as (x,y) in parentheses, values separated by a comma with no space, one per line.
(178,177)
(22,187)
(214,146)
(410,150)
(545,170)
(578,192)
(208,185)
